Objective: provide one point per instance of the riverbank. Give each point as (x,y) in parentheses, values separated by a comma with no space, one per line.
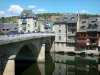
(81,53)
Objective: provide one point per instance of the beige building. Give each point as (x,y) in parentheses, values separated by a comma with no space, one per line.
(65,30)
(27,22)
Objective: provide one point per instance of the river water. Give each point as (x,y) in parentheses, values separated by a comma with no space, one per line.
(57,64)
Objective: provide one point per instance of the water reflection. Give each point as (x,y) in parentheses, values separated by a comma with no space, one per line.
(34,68)
(76,65)
(49,64)
(61,65)
(26,68)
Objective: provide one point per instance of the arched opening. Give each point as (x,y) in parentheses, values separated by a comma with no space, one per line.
(25,60)
(25,54)
(49,45)
(49,63)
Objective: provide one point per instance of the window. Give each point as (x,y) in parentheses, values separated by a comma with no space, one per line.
(93,21)
(28,31)
(94,26)
(8,29)
(28,25)
(62,44)
(65,18)
(72,18)
(59,25)
(59,37)
(3,29)
(83,22)
(91,48)
(82,27)
(15,28)
(96,19)
(35,25)
(59,31)
(89,26)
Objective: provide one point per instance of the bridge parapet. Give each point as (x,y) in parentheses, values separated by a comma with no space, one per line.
(4,39)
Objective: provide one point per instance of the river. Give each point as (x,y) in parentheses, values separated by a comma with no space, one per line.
(57,64)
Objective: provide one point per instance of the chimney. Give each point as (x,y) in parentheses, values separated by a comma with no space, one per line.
(78,21)
(78,16)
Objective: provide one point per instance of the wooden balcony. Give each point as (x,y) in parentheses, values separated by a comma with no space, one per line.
(87,37)
(72,28)
(81,37)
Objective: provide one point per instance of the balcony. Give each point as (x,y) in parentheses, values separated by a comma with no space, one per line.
(81,37)
(70,41)
(71,34)
(24,21)
(72,28)
(87,37)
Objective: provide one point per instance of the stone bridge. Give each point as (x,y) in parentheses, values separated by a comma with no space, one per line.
(23,48)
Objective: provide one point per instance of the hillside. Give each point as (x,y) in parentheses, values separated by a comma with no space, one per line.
(14,20)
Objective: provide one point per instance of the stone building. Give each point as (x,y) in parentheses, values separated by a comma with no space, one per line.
(65,31)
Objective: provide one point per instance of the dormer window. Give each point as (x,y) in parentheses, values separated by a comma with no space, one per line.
(89,26)
(72,18)
(96,19)
(15,28)
(82,27)
(8,29)
(3,29)
(93,21)
(94,26)
(83,22)
(65,18)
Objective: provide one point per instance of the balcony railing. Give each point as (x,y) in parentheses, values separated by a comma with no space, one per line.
(71,34)
(71,41)
(72,28)
(84,37)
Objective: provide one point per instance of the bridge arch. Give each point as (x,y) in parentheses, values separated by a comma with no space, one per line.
(27,52)
(25,58)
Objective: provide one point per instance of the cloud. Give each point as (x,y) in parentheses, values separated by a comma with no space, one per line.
(83,11)
(15,9)
(41,11)
(32,6)
(2,13)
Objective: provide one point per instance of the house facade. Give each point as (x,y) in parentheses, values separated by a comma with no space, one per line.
(65,30)
(87,36)
(27,22)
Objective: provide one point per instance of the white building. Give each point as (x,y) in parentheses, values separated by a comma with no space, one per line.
(65,30)
(27,22)
(41,26)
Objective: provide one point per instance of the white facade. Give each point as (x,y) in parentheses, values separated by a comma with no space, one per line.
(41,26)
(27,22)
(30,25)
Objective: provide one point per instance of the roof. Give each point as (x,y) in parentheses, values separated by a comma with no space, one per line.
(67,18)
(27,13)
(91,24)
(12,32)
(8,26)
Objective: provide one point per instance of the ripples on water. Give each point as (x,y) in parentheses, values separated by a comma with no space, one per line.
(57,64)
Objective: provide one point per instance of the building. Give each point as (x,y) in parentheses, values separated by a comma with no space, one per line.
(87,36)
(27,22)
(8,29)
(65,31)
(41,25)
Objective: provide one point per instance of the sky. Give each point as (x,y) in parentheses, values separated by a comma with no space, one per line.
(15,7)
